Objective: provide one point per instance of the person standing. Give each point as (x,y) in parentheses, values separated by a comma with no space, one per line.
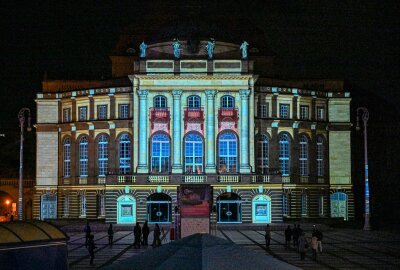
(295,237)
(156,239)
(319,236)
(314,246)
(288,236)
(91,247)
(267,236)
(145,233)
(137,232)
(87,231)
(302,245)
(110,235)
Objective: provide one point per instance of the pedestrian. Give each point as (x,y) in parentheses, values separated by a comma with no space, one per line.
(295,237)
(91,247)
(156,236)
(12,218)
(137,232)
(87,231)
(302,245)
(288,236)
(145,233)
(267,236)
(319,236)
(314,246)
(110,235)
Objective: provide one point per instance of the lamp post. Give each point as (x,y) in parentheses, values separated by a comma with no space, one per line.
(365,116)
(21,118)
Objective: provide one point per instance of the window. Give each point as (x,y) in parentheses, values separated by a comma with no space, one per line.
(67,157)
(227,102)
(263,154)
(285,204)
(263,110)
(193,153)
(304,203)
(83,156)
(82,113)
(160,153)
(82,205)
(303,156)
(160,102)
(67,115)
(124,111)
(101,206)
(284,154)
(320,113)
(284,110)
(227,153)
(66,206)
(304,112)
(194,102)
(125,154)
(102,112)
(321,205)
(320,156)
(102,155)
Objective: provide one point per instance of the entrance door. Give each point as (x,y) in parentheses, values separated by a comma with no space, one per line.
(159,208)
(261,207)
(339,205)
(48,206)
(126,206)
(229,208)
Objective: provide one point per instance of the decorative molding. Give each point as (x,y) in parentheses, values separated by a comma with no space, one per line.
(244,93)
(210,94)
(177,94)
(142,93)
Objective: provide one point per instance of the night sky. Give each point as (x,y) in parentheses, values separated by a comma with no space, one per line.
(356,41)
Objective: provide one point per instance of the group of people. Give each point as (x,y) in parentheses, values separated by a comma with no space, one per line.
(300,242)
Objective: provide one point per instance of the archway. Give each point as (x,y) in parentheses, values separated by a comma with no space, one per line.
(339,205)
(261,208)
(126,209)
(159,208)
(229,208)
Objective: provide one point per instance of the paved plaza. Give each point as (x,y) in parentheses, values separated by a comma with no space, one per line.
(342,249)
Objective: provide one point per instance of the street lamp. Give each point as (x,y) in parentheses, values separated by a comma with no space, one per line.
(21,118)
(365,116)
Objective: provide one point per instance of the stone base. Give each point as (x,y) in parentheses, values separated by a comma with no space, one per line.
(211,169)
(142,169)
(177,168)
(245,169)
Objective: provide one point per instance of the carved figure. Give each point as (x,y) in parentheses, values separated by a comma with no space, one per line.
(210,48)
(176,46)
(143,48)
(244,47)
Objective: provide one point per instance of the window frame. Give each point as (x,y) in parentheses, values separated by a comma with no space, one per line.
(67,115)
(226,100)
(193,102)
(83,156)
(303,156)
(283,112)
(80,112)
(320,152)
(321,114)
(121,111)
(284,154)
(67,157)
(304,112)
(163,161)
(100,112)
(228,157)
(194,156)
(158,102)
(263,153)
(102,155)
(124,154)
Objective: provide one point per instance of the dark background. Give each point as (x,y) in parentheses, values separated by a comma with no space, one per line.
(356,41)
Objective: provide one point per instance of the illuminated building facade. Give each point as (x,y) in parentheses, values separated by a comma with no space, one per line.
(119,149)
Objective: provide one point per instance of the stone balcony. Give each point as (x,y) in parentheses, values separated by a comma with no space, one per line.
(159,115)
(228,115)
(193,115)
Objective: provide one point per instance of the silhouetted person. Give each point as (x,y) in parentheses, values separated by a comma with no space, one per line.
(87,231)
(145,233)
(314,246)
(296,235)
(12,217)
(156,239)
(110,235)
(91,248)
(319,236)
(288,236)
(267,236)
(302,246)
(137,232)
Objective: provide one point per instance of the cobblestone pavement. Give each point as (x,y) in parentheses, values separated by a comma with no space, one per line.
(342,249)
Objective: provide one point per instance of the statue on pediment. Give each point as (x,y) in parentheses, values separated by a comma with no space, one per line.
(176,46)
(143,48)
(244,47)
(210,48)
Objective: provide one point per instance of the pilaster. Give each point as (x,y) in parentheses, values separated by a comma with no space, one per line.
(244,131)
(176,163)
(210,131)
(143,165)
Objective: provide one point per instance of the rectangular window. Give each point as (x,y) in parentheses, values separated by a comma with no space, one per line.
(304,204)
(66,206)
(304,112)
(321,205)
(82,113)
(285,204)
(124,111)
(284,110)
(320,113)
(67,115)
(320,159)
(101,207)
(102,112)
(263,110)
(82,208)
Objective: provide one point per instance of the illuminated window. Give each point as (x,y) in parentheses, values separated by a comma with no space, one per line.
(284,110)
(227,155)
(285,204)
(303,156)
(193,153)
(82,113)
(263,154)
(284,154)
(67,115)
(102,155)
(263,110)
(102,112)
(160,102)
(321,205)
(304,112)
(83,156)
(67,157)
(124,111)
(194,102)
(125,154)
(320,113)
(101,205)
(160,155)
(320,157)
(304,203)
(227,102)
(82,205)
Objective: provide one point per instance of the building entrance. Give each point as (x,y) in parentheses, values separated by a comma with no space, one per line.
(229,208)
(48,206)
(159,208)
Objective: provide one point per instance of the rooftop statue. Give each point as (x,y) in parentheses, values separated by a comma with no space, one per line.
(176,46)
(143,48)
(244,47)
(210,48)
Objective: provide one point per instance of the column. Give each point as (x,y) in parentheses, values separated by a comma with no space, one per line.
(142,166)
(177,154)
(210,165)
(244,131)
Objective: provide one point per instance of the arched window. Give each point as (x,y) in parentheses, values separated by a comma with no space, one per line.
(83,156)
(194,102)
(303,156)
(284,154)
(227,102)
(320,156)
(160,102)
(124,154)
(263,154)
(160,153)
(67,157)
(227,154)
(193,153)
(102,155)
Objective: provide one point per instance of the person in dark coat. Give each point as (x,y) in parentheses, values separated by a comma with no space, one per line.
(302,246)
(87,231)
(91,247)
(145,233)
(110,233)
(157,234)
(267,236)
(137,232)
(319,236)
(296,235)
(288,236)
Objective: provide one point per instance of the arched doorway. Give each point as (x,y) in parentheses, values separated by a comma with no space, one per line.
(261,207)
(159,208)
(48,206)
(339,205)
(229,208)
(126,210)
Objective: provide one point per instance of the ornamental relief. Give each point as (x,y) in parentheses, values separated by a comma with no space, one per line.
(194,127)
(160,126)
(224,125)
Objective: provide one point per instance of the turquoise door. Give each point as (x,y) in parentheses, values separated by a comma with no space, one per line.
(126,213)
(339,205)
(48,206)
(261,206)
